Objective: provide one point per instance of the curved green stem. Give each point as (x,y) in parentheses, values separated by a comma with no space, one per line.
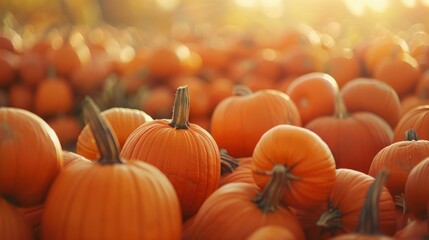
(105,138)
(411,135)
(241,90)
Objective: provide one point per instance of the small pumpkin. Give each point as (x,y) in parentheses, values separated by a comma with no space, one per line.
(123,122)
(239,121)
(112,198)
(314,95)
(271,232)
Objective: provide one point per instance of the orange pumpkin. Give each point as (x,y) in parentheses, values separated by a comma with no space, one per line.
(30,157)
(340,213)
(272,232)
(67,128)
(372,214)
(112,198)
(354,139)
(12,223)
(416,192)
(238,209)
(235,170)
(123,122)
(33,68)
(314,95)
(21,96)
(372,95)
(342,68)
(185,152)
(239,121)
(53,96)
(309,163)
(415,119)
(9,65)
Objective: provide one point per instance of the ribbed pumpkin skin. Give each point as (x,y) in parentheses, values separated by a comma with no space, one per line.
(229,213)
(417,119)
(123,122)
(399,158)
(13,225)
(384,101)
(417,191)
(271,233)
(238,122)
(30,157)
(133,200)
(354,140)
(348,196)
(307,155)
(189,158)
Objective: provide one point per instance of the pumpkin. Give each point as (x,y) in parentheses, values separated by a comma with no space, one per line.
(369,216)
(400,158)
(185,152)
(20,96)
(308,160)
(384,101)
(419,97)
(416,229)
(123,122)
(67,128)
(343,68)
(12,223)
(53,96)
(30,157)
(417,119)
(271,232)
(416,191)
(9,65)
(340,212)
(33,68)
(33,217)
(314,95)
(112,198)
(400,73)
(240,208)
(239,121)
(353,138)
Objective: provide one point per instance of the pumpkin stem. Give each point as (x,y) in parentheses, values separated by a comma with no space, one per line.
(411,135)
(105,138)
(227,163)
(340,107)
(180,119)
(269,199)
(241,90)
(331,218)
(368,221)
(399,201)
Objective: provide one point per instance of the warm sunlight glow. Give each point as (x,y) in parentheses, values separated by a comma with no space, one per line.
(357,8)
(409,3)
(246,3)
(168,5)
(273,8)
(378,5)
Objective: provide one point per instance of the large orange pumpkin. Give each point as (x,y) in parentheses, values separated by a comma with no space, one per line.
(112,198)
(30,157)
(308,160)
(239,121)
(416,191)
(185,152)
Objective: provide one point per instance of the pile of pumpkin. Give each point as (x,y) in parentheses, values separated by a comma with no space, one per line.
(301,144)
